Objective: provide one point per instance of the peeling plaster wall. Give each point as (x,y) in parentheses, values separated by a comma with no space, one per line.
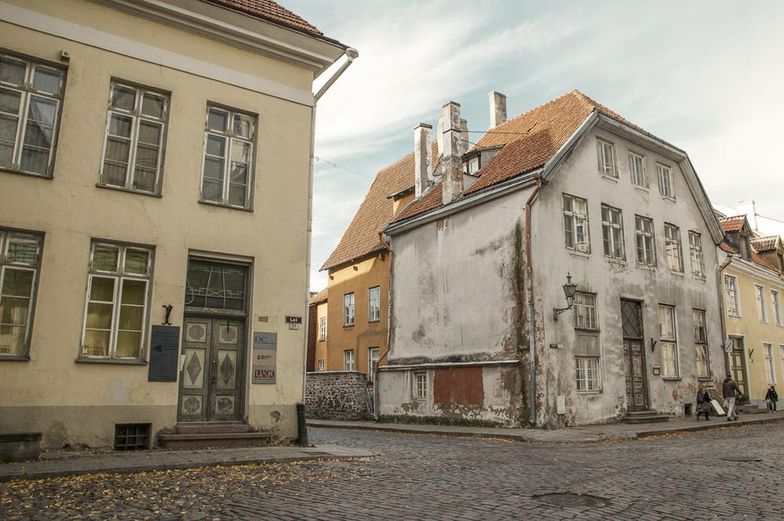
(611,281)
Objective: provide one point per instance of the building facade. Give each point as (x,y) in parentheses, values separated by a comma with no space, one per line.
(154,170)
(566,196)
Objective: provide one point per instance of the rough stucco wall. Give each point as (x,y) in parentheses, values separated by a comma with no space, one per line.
(336,395)
(71,210)
(613,281)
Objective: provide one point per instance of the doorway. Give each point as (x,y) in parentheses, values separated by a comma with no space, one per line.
(634,356)
(737,364)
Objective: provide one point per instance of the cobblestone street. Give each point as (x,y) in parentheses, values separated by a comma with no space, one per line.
(432,477)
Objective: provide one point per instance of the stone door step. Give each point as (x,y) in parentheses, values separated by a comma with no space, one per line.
(644,417)
(214,440)
(211,427)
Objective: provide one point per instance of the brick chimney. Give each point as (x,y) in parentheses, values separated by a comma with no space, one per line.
(497,109)
(423,158)
(451,162)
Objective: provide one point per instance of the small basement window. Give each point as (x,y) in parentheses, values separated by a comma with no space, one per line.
(132,436)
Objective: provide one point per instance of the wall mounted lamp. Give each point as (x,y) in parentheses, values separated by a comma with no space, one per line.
(569,288)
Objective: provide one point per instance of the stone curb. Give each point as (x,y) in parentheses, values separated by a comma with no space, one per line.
(720,423)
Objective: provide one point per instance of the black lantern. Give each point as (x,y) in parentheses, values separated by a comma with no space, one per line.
(569,289)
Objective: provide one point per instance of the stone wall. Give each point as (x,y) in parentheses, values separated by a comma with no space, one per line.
(336,395)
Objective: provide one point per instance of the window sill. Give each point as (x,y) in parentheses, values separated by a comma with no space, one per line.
(589,393)
(26,174)
(346,326)
(129,190)
(579,254)
(642,188)
(704,378)
(609,177)
(646,267)
(227,206)
(701,279)
(677,273)
(587,330)
(732,315)
(108,361)
(671,378)
(376,321)
(15,358)
(668,198)
(614,260)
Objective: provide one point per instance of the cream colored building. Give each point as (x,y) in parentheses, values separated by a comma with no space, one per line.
(154,154)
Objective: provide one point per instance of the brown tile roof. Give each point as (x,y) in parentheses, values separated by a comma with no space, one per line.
(271,12)
(528,141)
(361,237)
(319,297)
(765,243)
(725,246)
(756,258)
(732,224)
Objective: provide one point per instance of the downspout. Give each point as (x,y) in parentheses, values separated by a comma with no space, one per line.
(531,308)
(381,358)
(719,286)
(351,55)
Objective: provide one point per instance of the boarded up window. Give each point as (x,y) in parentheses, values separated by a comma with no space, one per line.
(458,386)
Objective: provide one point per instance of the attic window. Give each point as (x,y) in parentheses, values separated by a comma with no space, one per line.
(473,165)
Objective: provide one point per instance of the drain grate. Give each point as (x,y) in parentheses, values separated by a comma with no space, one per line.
(571,499)
(742,459)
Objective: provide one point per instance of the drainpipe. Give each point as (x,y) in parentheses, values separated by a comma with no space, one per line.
(351,55)
(531,307)
(376,394)
(722,267)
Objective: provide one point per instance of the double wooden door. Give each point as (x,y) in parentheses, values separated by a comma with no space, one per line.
(211,382)
(634,356)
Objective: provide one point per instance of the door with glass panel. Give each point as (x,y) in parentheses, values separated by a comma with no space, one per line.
(737,364)
(634,356)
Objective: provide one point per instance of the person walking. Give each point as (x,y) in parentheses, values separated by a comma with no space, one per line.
(771,397)
(703,403)
(730,391)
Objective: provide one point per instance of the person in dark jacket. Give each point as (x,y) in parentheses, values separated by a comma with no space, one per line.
(703,403)
(771,397)
(730,391)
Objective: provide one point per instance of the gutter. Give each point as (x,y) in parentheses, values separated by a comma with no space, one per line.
(351,55)
(531,306)
(376,390)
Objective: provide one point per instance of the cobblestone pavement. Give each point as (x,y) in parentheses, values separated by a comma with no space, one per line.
(675,477)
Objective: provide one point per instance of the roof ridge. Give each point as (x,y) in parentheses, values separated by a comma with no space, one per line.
(523,114)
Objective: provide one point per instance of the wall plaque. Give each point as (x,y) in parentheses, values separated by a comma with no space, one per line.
(164,354)
(265,346)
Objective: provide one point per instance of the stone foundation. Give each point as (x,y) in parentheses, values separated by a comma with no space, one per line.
(336,395)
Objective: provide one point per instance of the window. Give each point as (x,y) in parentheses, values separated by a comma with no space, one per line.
(731,289)
(701,343)
(767,351)
(646,247)
(774,296)
(348,360)
(20,260)
(585,310)
(672,248)
(374,304)
(587,373)
(575,212)
(696,256)
(133,149)
(372,361)
(606,154)
(665,181)
(228,152)
(612,232)
(322,329)
(30,97)
(321,367)
(762,311)
(419,390)
(117,297)
(348,309)
(637,169)
(669,346)
(132,436)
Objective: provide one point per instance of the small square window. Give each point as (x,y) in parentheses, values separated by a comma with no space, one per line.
(132,436)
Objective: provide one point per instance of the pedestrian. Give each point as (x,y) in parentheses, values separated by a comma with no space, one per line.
(730,391)
(771,397)
(703,403)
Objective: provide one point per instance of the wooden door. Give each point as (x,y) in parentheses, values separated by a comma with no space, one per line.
(634,356)
(738,364)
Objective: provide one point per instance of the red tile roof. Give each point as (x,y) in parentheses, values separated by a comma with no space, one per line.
(271,12)
(319,297)
(756,258)
(732,224)
(765,243)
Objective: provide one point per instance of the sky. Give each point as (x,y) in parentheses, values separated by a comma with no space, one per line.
(704,75)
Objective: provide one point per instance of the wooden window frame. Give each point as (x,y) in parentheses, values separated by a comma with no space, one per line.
(732,292)
(696,254)
(583,381)
(374,312)
(669,342)
(646,239)
(601,146)
(349,362)
(641,175)
(349,309)
(664,174)
(571,219)
(609,229)
(673,248)
(7,265)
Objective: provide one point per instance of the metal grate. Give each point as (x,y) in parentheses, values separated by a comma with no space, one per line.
(631,319)
(132,436)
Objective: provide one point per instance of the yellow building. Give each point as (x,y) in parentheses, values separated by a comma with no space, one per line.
(753,292)
(154,168)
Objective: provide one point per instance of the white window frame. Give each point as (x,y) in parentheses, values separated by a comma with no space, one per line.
(645,241)
(669,344)
(137,117)
(762,311)
(7,265)
(373,354)
(374,304)
(321,367)
(322,328)
(585,311)
(119,275)
(637,172)
(349,360)
(696,254)
(26,91)
(673,250)
(606,154)
(612,233)
(702,355)
(775,300)
(419,385)
(588,374)
(576,225)
(770,368)
(349,316)
(666,188)
(732,293)
(229,138)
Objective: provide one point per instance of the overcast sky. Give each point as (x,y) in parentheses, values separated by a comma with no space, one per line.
(707,76)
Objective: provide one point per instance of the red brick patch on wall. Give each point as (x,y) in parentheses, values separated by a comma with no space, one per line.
(458,386)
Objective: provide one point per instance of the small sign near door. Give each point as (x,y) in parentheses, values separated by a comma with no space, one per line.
(265,346)
(164,354)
